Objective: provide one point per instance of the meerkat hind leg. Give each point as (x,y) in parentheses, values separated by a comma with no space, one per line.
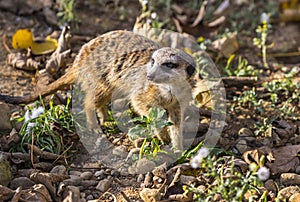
(91,115)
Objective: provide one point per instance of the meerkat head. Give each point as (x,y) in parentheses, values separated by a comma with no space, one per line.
(169,65)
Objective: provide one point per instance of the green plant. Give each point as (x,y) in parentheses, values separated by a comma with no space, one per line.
(66,12)
(148,12)
(243,68)
(45,127)
(264,128)
(250,100)
(224,183)
(146,127)
(261,41)
(284,94)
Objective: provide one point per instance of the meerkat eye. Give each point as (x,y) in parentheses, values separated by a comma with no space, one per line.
(170,65)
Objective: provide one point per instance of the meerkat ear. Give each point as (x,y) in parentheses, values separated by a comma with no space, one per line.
(190,70)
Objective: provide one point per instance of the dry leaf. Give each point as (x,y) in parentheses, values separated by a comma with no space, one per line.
(226,45)
(279,160)
(286,159)
(254,155)
(24,39)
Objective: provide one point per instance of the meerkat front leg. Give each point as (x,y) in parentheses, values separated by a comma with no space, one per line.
(175,116)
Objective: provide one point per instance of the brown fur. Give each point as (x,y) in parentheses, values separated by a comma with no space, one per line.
(117,62)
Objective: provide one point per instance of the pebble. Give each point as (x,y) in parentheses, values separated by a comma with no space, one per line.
(144,165)
(25,172)
(297,170)
(72,193)
(89,197)
(188,180)
(242,146)
(5,126)
(74,172)
(290,179)
(120,151)
(245,132)
(23,182)
(140,178)
(287,192)
(100,174)
(88,183)
(115,173)
(270,185)
(124,171)
(86,175)
(5,171)
(103,185)
(59,169)
(74,180)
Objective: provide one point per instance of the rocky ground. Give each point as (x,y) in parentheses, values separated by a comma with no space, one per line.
(252,127)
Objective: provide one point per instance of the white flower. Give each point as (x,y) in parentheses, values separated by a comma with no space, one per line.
(263,173)
(196,162)
(203,152)
(153,15)
(36,112)
(27,116)
(264,18)
(144,2)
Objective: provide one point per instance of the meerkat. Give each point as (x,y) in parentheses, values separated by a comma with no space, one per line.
(121,61)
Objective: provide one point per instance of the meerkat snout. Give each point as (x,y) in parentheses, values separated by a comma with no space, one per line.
(168,65)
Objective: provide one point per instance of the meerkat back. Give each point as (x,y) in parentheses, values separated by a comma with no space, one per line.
(102,61)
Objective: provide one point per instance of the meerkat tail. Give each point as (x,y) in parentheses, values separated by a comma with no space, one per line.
(61,83)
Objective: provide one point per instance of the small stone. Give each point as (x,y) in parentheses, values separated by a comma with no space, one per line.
(59,169)
(74,180)
(5,126)
(290,179)
(287,192)
(140,178)
(23,182)
(5,171)
(74,172)
(120,151)
(123,172)
(25,172)
(100,174)
(88,183)
(104,185)
(86,175)
(89,197)
(270,185)
(115,173)
(245,132)
(160,171)
(297,170)
(144,165)
(242,146)
(71,193)
(187,180)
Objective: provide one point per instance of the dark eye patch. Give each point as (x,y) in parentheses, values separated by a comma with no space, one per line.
(170,65)
(190,70)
